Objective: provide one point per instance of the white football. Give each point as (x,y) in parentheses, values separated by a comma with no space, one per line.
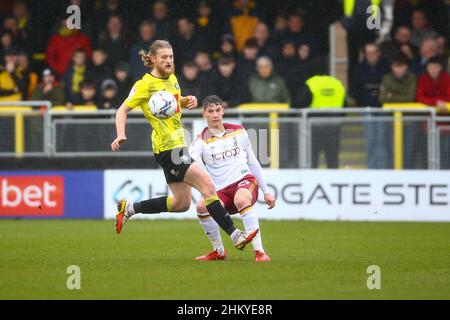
(163,104)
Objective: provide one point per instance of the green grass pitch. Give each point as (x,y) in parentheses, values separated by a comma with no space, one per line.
(154,260)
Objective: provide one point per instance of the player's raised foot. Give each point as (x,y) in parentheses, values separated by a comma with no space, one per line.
(244,238)
(261,256)
(213,255)
(122,215)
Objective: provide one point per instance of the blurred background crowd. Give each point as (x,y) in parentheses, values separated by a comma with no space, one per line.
(241,50)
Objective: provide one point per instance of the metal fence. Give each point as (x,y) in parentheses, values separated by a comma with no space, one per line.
(355,138)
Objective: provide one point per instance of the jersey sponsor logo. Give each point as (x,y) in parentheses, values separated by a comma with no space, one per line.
(31,196)
(229,153)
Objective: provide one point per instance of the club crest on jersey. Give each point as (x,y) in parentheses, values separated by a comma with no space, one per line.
(177,86)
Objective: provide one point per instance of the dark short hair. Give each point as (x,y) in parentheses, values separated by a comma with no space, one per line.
(88,84)
(211,100)
(251,43)
(226,60)
(400,58)
(436,59)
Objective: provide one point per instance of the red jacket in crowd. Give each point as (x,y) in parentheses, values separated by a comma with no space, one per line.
(61,48)
(430,91)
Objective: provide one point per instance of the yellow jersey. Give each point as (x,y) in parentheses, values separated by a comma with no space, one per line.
(167,133)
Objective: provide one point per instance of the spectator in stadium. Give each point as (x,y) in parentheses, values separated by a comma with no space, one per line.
(11,24)
(279,27)
(49,89)
(185,43)
(6,43)
(428,49)
(296,33)
(355,23)
(87,96)
(160,16)
(77,73)
(246,61)
(109,95)
(401,43)
(63,44)
(265,86)
(26,79)
(123,79)
(114,39)
(443,50)
(365,85)
(267,45)
(421,28)
(100,69)
(9,89)
(400,86)
(203,61)
(29,31)
(227,83)
(242,19)
(207,26)
(108,8)
(227,47)
(147,34)
(307,63)
(288,67)
(318,92)
(191,82)
(433,89)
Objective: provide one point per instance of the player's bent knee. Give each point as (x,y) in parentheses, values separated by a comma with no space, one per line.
(181,205)
(241,202)
(201,208)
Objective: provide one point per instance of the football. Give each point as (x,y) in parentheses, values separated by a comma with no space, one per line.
(163,104)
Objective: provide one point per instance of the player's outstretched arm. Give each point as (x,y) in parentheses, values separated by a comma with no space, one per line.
(121,119)
(256,169)
(189,102)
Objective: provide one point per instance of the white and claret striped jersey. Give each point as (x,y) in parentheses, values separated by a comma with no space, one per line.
(227,157)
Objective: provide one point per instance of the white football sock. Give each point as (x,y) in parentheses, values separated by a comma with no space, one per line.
(251,222)
(130,208)
(212,230)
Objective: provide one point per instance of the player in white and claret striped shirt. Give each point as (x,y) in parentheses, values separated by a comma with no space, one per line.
(225,152)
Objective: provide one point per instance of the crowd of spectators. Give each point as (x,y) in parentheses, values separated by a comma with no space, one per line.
(234,49)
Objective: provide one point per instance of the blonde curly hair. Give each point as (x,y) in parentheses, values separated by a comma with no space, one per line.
(154,47)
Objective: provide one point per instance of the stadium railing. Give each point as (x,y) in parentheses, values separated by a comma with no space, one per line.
(289,134)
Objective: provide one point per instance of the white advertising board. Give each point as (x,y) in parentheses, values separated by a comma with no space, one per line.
(360,195)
